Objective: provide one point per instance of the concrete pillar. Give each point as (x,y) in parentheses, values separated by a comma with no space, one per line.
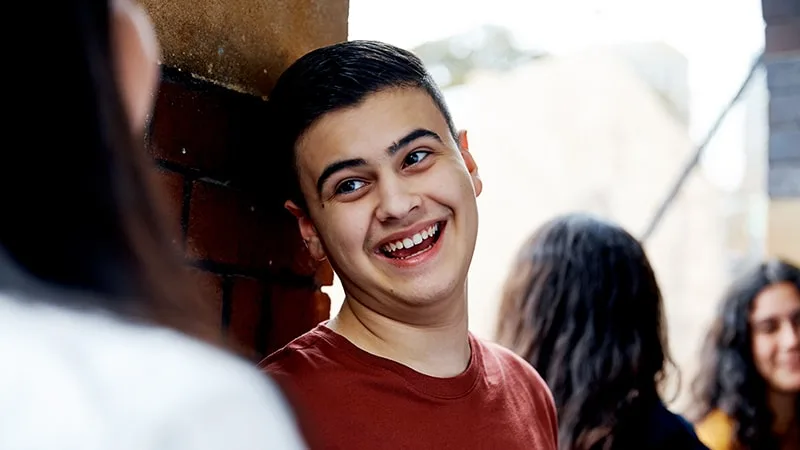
(244,44)
(782,33)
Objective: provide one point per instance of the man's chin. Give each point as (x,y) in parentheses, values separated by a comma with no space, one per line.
(423,295)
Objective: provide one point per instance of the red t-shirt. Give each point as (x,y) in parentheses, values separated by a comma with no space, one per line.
(346,398)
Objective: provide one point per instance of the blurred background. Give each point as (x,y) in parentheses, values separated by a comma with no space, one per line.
(600,106)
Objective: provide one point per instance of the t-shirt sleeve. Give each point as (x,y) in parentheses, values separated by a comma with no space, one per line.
(240,418)
(529,380)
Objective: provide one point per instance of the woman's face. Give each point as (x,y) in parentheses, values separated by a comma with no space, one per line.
(136,51)
(775,325)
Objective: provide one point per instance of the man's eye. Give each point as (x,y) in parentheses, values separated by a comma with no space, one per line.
(415,157)
(348,186)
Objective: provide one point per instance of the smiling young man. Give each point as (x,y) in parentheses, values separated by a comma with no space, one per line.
(386,190)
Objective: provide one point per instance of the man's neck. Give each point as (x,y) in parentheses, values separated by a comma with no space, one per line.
(439,349)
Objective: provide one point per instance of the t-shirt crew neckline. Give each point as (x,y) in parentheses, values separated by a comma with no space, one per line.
(443,388)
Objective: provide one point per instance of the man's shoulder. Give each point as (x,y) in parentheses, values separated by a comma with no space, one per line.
(517,372)
(501,352)
(496,354)
(520,380)
(305,355)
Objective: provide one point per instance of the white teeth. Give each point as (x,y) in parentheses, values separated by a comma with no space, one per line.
(411,241)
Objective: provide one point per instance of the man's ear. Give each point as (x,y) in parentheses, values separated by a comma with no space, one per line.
(472,166)
(307,230)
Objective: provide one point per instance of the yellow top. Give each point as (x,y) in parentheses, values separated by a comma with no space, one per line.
(716,431)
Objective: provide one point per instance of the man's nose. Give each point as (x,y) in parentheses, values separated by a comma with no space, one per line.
(397,199)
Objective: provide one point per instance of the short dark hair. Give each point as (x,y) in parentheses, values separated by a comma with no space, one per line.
(336,77)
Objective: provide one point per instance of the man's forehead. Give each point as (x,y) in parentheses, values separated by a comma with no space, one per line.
(368,129)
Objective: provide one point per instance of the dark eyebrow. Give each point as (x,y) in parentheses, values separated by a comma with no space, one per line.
(335,167)
(356,162)
(411,137)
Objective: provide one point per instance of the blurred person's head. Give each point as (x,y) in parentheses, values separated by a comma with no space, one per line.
(752,354)
(85,223)
(385,185)
(582,305)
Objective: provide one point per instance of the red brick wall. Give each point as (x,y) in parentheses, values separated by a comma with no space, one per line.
(243,247)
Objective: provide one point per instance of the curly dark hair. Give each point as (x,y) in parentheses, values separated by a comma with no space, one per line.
(584,308)
(728,379)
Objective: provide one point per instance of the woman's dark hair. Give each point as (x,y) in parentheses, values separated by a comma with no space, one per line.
(728,379)
(583,307)
(81,216)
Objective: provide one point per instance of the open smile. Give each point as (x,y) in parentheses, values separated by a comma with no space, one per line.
(412,245)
